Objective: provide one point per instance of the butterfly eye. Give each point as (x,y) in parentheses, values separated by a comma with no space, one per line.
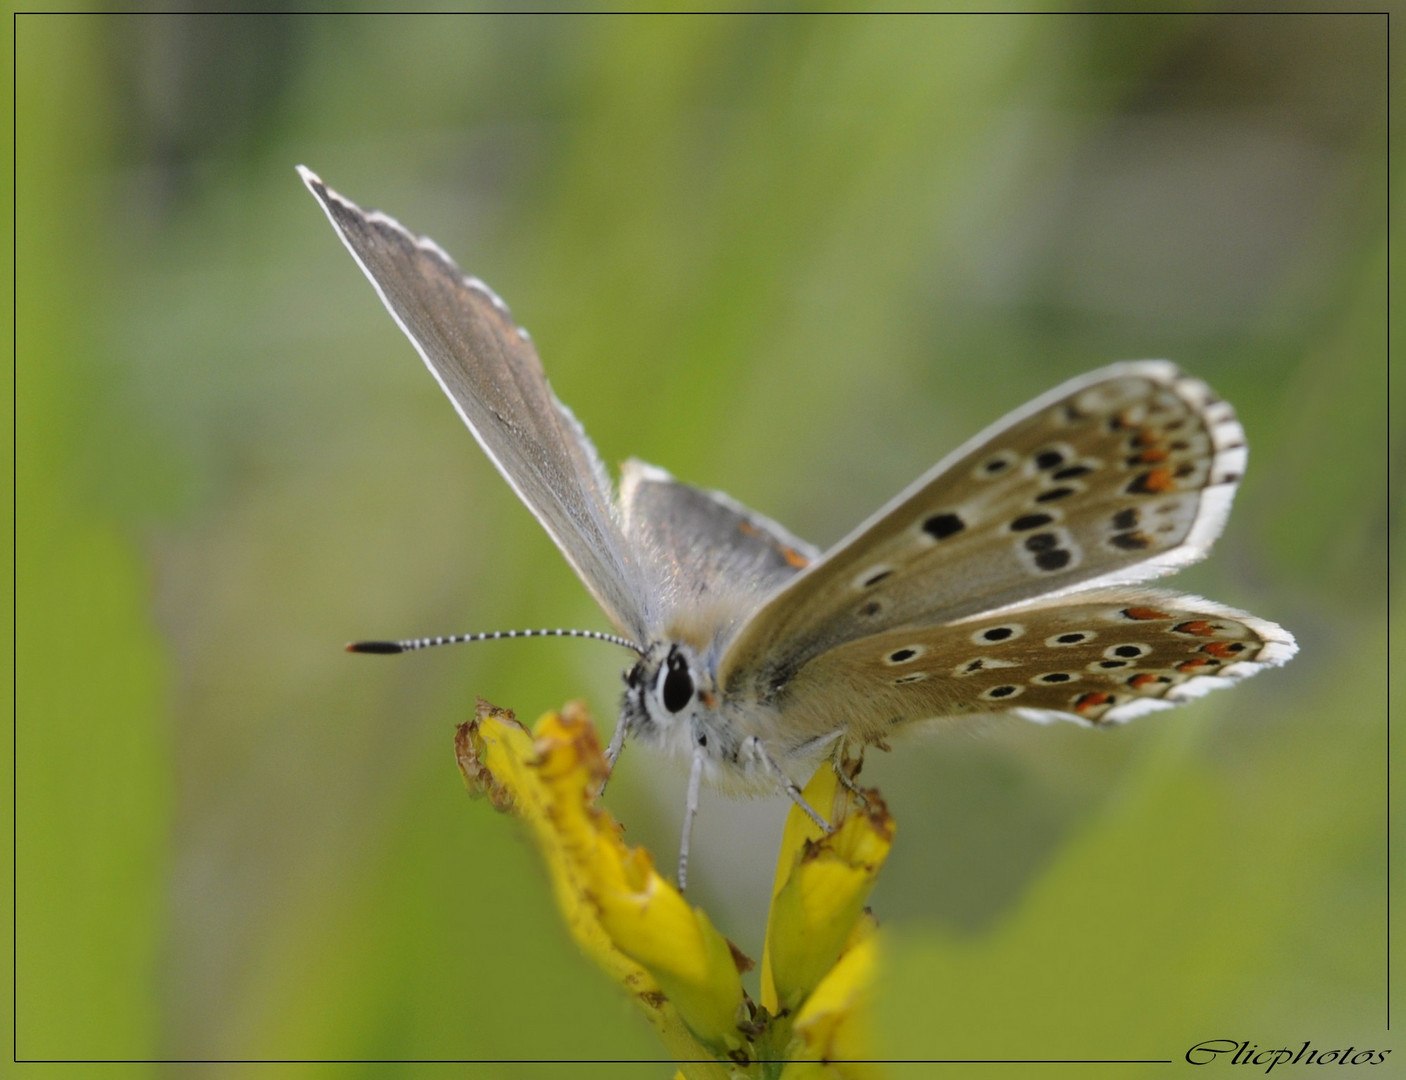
(677,687)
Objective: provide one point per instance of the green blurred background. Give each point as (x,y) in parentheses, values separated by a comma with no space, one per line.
(797,259)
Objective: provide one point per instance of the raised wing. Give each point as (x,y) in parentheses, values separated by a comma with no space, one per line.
(487,365)
(1118,476)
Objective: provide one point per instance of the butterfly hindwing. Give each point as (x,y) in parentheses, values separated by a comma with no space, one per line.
(1102,657)
(1118,476)
(710,559)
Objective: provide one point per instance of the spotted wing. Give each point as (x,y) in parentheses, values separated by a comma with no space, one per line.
(1119,476)
(487,365)
(1103,657)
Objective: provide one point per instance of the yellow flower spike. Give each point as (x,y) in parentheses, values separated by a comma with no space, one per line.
(632,922)
(693,963)
(832,1026)
(822,885)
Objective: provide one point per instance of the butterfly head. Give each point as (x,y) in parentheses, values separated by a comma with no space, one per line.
(666,691)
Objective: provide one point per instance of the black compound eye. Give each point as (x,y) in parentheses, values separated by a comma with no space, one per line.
(678,684)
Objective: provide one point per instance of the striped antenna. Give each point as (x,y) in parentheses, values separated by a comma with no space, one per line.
(387,647)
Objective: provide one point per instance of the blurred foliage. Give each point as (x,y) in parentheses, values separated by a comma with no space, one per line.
(795,258)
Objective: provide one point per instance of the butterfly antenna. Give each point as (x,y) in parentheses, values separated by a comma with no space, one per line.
(410,645)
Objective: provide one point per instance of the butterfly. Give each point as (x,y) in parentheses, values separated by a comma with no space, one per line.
(1005,579)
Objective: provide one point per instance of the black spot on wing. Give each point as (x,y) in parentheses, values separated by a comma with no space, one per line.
(1026,522)
(941,526)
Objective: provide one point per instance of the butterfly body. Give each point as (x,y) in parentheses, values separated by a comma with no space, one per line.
(671,702)
(1005,579)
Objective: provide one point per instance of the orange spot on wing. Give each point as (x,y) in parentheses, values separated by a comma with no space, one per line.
(1190,667)
(1137,682)
(1223,649)
(1159,480)
(1199,627)
(791,555)
(1144,613)
(1092,700)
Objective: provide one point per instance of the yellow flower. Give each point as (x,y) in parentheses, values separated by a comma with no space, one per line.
(684,974)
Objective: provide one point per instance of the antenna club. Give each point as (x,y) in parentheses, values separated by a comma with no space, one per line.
(376,647)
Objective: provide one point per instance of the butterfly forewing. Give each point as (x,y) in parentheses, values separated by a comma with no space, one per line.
(1118,476)
(1103,657)
(487,365)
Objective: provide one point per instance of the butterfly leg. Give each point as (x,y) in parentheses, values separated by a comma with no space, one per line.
(839,761)
(754,746)
(612,754)
(695,779)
